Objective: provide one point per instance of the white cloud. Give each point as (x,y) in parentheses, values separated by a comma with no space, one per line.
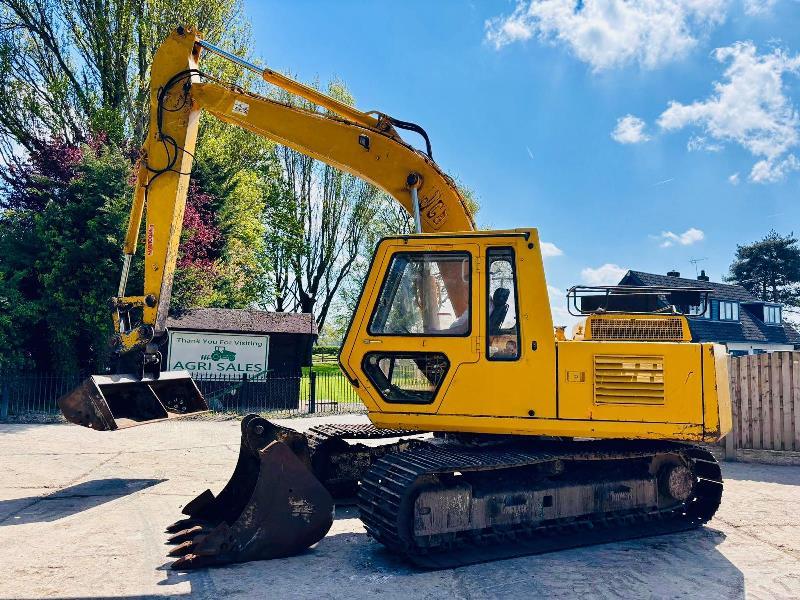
(607,274)
(700,142)
(549,249)
(770,171)
(687,238)
(629,130)
(558,308)
(505,30)
(555,292)
(734,179)
(749,108)
(608,33)
(755,8)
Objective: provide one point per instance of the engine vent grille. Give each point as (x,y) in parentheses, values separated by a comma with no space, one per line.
(628,379)
(665,329)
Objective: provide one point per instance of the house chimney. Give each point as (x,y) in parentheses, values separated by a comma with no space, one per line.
(703,276)
(673,274)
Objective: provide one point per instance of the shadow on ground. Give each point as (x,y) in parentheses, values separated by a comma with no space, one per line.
(687,564)
(69,501)
(745,471)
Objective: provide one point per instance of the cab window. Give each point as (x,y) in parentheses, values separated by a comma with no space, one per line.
(424,294)
(406,377)
(502,314)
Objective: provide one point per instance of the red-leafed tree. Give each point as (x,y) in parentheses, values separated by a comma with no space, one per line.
(201,245)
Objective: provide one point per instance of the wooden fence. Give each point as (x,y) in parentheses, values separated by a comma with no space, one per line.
(765,397)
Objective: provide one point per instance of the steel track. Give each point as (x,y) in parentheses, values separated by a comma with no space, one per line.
(387,493)
(339,464)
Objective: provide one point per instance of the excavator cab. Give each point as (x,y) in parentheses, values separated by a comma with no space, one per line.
(449,325)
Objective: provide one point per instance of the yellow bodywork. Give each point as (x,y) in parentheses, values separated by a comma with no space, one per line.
(625,388)
(585,388)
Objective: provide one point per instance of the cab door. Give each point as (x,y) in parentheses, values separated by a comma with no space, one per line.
(413,329)
(514,376)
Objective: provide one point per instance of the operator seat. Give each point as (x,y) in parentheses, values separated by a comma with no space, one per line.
(499,310)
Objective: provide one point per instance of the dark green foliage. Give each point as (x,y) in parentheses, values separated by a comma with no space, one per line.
(334,350)
(769,268)
(59,266)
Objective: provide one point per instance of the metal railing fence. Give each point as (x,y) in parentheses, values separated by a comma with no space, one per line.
(34,396)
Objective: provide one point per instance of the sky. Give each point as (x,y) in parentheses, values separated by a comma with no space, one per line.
(632,134)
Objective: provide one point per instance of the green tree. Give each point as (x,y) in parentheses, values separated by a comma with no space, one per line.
(235,167)
(284,241)
(68,67)
(769,268)
(76,71)
(59,263)
(326,216)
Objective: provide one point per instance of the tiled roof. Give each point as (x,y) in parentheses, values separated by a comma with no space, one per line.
(721,291)
(245,321)
(748,329)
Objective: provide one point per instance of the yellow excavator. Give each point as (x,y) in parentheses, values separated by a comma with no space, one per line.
(535,442)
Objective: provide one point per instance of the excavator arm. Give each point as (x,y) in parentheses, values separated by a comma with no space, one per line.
(364,144)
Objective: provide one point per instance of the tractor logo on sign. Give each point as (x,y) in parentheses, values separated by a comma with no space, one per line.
(221,353)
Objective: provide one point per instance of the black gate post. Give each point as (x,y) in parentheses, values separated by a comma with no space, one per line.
(5,400)
(244,393)
(312,391)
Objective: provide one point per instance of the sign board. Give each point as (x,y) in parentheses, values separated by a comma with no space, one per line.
(230,353)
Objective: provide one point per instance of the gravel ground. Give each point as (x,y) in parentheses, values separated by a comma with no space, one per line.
(82,515)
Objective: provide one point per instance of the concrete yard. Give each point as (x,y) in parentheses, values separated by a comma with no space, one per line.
(82,515)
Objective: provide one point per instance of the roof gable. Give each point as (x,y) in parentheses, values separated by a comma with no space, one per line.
(245,321)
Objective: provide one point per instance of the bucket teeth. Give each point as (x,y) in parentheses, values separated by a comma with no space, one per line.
(190,561)
(184,564)
(181,525)
(273,506)
(187,534)
(182,549)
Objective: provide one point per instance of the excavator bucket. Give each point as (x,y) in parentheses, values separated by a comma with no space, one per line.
(272,507)
(108,402)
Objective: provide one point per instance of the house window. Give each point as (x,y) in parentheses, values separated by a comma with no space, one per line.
(728,311)
(772,314)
